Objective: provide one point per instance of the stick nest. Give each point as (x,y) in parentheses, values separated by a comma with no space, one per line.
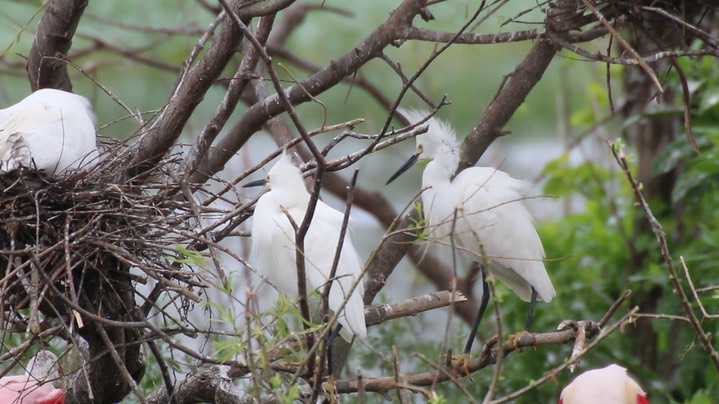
(68,244)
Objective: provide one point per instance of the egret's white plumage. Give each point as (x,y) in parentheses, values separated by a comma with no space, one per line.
(609,385)
(51,130)
(273,246)
(491,212)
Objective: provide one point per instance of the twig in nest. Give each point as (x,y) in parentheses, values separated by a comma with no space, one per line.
(84,231)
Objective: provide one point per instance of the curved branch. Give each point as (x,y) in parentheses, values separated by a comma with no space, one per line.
(422,34)
(658,231)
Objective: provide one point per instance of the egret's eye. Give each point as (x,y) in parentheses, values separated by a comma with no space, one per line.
(420,148)
(267,178)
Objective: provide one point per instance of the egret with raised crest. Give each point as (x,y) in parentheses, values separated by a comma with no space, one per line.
(492,224)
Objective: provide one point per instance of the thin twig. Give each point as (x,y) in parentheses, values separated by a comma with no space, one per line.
(616,35)
(666,256)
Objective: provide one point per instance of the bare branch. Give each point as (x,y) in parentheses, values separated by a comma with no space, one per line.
(192,88)
(524,77)
(489,356)
(315,84)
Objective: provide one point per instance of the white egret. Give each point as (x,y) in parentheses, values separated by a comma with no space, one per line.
(491,219)
(51,130)
(609,385)
(273,246)
(35,386)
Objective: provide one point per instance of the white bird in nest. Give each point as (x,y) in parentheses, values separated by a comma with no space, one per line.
(273,246)
(491,219)
(50,130)
(609,385)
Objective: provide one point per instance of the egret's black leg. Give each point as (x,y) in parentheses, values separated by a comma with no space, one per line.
(330,341)
(482,308)
(530,313)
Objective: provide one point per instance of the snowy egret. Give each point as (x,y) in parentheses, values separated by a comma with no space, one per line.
(491,220)
(273,246)
(35,386)
(51,130)
(609,385)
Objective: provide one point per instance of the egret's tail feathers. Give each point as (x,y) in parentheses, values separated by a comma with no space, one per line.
(352,315)
(523,277)
(347,334)
(539,280)
(546,291)
(15,153)
(353,321)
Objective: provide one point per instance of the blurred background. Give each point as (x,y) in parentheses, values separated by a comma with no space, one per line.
(586,217)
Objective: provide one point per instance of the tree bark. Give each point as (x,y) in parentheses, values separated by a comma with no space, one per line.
(46,65)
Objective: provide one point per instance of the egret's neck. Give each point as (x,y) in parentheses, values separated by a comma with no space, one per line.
(437,197)
(440,170)
(436,176)
(292,195)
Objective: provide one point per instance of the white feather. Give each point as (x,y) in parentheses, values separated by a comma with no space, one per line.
(51,130)
(273,246)
(491,216)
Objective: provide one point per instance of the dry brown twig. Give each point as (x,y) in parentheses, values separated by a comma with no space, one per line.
(704,338)
(695,292)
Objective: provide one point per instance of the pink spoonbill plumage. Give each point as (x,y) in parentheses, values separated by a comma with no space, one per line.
(609,385)
(36,385)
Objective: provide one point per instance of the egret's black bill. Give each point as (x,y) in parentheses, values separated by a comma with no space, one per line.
(255,184)
(406,166)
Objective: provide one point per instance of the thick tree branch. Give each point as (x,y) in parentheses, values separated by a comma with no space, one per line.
(234,91)
(45,65)
(258,114)
(163,134)
(212,385)
(523,79)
